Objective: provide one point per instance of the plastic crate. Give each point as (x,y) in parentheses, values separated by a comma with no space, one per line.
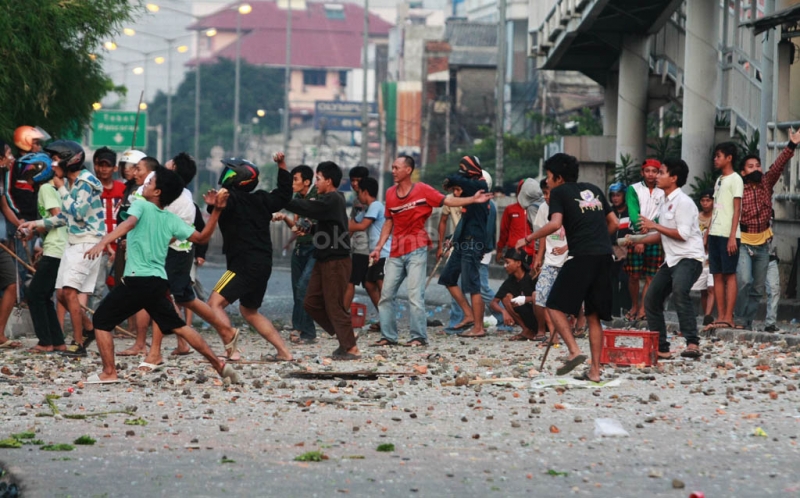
(635,347)
(358,314)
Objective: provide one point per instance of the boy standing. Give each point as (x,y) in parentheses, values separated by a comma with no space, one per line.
(359,242)
(680,235)
(144,285)
(751,272)
(470,245)
(82,214)
(549,260)
(105,165)
(705,283)
(326,294)
(302,256)
(587,218)
(643,198)
(374,218)
(724,234)
(408,207)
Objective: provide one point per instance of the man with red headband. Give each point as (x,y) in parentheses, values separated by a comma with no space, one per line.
(643,199)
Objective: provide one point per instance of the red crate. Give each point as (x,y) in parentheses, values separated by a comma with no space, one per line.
(636,347)
(358,314)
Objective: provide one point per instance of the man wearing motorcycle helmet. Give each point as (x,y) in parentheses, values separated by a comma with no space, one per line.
(82,214)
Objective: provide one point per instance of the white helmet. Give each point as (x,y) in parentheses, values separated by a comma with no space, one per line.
(131,156)
(488,178)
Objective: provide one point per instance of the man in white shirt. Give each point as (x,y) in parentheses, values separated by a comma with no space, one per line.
(679,233)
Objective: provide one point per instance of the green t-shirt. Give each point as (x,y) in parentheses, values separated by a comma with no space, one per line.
(56,239)
(149,240)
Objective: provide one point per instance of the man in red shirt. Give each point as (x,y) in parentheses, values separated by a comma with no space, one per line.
(513,227)
(408,207)
(105,166)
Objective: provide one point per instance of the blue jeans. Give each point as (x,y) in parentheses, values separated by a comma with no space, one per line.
(751,277)
(411,266)
(773,292)
(678,281)
(302,264)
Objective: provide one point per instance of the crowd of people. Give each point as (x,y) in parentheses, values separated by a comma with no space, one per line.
(574,254)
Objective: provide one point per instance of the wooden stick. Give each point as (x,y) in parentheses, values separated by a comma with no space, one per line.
(504,380)
(85,308)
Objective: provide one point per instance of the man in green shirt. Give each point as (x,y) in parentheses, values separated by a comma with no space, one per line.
(144,284)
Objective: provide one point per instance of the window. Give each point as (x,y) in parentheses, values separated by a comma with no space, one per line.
(342,78)
(314,77)
(334,11)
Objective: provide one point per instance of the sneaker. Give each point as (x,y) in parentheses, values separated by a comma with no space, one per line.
(772,328)
(75,351)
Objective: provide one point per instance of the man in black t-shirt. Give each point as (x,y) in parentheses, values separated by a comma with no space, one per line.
(516,295)
(587,218)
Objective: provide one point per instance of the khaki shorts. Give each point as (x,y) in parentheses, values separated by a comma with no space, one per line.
(78,272)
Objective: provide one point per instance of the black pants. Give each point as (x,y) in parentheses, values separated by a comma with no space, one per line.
(40,302)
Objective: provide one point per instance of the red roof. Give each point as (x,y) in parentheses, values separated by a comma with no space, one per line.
(317,40)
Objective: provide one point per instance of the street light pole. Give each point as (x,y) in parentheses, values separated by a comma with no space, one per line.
(501,92)
(287,77)
(169,98)
(197,107)
(364,116)
(236,84)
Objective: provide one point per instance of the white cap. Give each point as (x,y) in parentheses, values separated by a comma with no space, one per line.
(132,156)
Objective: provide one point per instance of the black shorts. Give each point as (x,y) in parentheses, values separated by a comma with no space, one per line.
(8,272)
(719,261)
(375,272)
(358,273)
(246,286)
(584,280)
(179,275)
(132,294)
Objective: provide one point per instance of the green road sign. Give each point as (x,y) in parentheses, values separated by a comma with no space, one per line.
(114,129)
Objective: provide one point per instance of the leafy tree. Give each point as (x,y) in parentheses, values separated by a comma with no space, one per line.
(261,88)
(51,75)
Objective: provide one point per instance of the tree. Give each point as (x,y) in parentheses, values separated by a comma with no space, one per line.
(261,88)
(51,74)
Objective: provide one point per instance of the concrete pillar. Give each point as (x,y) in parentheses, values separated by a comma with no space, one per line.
(632,101)
(610,105)
(767,74)
(700,85)
(783,79)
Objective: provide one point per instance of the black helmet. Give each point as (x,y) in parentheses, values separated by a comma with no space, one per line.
(239,174)
(68,154)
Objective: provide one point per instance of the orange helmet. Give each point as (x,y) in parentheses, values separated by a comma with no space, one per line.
(25,135)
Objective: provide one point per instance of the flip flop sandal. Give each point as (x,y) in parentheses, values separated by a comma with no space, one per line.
(175,352)
(95,379)
(382,343)
(228,372)
(571,365)
(271,358)
(465,326)
(415,343)
(230,348)
(692,353)
(585,376)
(521,338)
(153,367)
(375,327)
(345,356)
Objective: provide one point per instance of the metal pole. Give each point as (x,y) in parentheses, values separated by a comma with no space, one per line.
(169,98)
(196,185)
(501,91)
(236,84)
(364,117)
(287,77)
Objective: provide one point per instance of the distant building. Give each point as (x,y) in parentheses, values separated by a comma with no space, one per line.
(326,43)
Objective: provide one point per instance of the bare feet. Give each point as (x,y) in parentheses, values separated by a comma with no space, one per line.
(41,349)
(133,351)
(474,332)
(181,352)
